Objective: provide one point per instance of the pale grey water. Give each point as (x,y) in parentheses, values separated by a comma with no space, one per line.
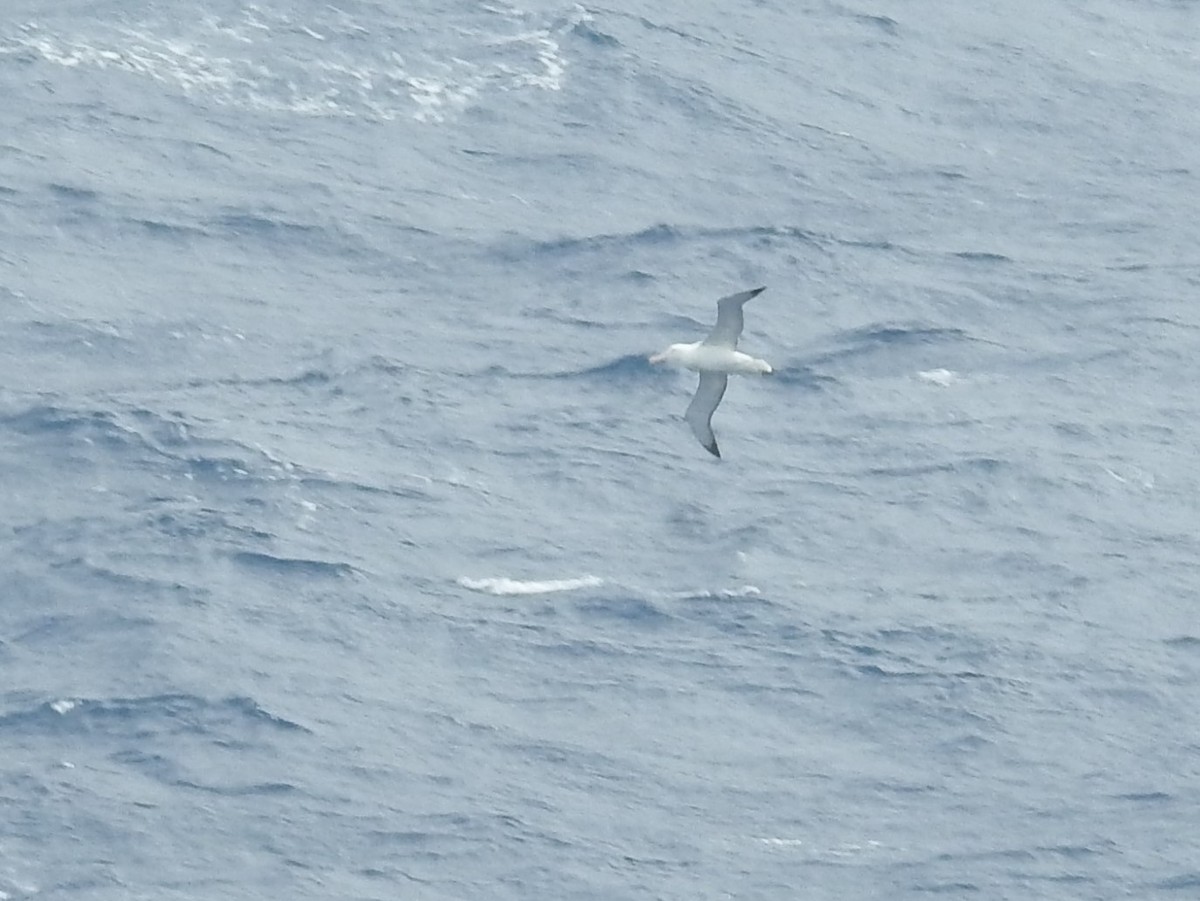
(354,551)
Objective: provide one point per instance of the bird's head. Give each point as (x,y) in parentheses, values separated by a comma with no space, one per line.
(669,356)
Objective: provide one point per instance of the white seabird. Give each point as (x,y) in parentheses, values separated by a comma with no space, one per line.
(714,358)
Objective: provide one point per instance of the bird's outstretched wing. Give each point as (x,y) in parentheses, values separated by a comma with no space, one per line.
(699,412)
(729,319)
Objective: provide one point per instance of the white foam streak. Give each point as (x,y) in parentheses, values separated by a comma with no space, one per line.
(503,586)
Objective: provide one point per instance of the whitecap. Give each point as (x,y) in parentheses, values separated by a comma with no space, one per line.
(262,58)
(500,585)
(941,377)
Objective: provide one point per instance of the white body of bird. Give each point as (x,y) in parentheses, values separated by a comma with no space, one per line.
(701,357)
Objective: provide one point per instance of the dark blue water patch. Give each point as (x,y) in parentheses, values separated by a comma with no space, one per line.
(1076,852)
(1184,642)
(1058,878)
(667,29)
(981,256)
(98,341)
(242,707)
(969,743)
(633,610)
(856,344)
(562,317)
(678,325)
(159,431)
(167,771)
(171,231)
(275,232)
(901,333)
(954,889)
(578,649)
(209,148)
(293,567)
(142,717)
(403,492)
(407,838)
(254,789)
(306,378)
(880,244)
(753,688)
(874,671)
(639,276)
(156,766)
(377,363)
(102,427)
(658,236)
(571,762)
(1184,882)
(655,235)
(71,192)
(128,585)
(95,885)
(203,523)
(594,36)
(54,631)
(328,374)
(726,614)
(1145,797)
(219,469)
(888,663)
(242,224)
(41,419)
(987,466)
(885,24)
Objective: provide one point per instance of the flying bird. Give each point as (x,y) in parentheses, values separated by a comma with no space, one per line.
(714,358)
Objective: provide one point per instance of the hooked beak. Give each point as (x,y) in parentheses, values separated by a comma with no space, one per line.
(655,359)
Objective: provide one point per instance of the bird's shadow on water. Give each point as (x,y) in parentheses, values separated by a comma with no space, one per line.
(628,368)
(631,367)
(801,376)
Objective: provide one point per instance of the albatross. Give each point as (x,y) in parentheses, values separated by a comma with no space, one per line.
(714,358)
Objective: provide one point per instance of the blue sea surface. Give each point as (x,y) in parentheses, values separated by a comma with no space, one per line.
(351,548)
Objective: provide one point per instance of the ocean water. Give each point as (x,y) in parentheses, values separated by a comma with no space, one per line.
(352,549)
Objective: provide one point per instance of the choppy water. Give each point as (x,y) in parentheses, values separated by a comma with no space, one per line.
(353,550)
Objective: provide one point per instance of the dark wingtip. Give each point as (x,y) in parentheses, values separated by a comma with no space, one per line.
(754,292)
(713,449)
